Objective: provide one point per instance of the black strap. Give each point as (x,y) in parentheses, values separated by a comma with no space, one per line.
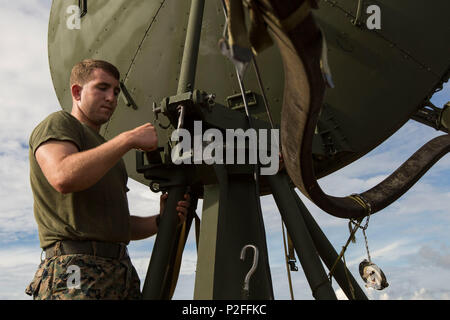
(94,248)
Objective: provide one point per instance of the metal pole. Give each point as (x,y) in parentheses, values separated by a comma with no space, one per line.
(303,243)
(157,272)
(329,255)
(191,47)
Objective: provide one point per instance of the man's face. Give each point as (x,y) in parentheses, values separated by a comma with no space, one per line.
(99,97)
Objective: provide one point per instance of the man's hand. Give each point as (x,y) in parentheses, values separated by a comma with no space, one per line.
(182,207)
(144,137)
(144,227)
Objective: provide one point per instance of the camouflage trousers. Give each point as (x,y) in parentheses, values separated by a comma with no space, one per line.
(85,277)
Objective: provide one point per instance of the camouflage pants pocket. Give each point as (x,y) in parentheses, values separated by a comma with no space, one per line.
(33,288)
(41,285)
(85,277)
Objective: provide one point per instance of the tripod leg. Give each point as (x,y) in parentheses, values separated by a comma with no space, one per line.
(230,221)
(328,254)
(303,243)
(157,272)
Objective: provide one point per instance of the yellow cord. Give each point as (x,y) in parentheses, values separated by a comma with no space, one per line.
(287,262)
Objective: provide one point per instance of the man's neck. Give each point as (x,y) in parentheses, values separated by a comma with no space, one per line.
(79,115)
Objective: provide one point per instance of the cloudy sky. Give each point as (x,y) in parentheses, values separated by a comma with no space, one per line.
(409,240)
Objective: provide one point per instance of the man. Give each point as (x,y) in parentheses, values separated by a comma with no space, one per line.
(79,186)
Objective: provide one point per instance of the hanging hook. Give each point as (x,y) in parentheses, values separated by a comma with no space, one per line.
(254,265)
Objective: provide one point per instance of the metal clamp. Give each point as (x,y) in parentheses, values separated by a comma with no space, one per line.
(292,264)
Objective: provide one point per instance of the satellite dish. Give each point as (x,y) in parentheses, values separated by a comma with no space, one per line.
(145,40)
(381,77)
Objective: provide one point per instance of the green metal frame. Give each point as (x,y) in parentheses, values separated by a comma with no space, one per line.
(230,221)
(157,277)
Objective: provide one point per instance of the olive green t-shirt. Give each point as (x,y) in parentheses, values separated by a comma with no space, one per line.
(99,213)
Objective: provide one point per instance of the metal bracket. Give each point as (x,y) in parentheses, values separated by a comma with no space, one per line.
(332,140)
(161,175)
(432,116)
(235,102)
(292,264)
(129,101)
(444,119)
(192,102)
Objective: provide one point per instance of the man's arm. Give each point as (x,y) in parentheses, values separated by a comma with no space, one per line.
(144,227)
(69,170)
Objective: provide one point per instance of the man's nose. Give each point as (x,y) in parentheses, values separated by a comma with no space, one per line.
(110,96)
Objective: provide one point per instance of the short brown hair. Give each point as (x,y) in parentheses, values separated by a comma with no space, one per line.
(81,72)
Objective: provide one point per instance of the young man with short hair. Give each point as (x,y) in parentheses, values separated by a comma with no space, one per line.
(79,182)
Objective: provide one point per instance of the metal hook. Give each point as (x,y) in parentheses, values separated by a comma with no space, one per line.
(254,265)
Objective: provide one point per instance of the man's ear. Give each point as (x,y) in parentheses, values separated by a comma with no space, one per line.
(76,91)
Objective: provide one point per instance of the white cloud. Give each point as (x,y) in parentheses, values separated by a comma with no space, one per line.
(391,252)
(141,201)
(189,263)
(26,97)
(438,258)
(26,94)
(17,266)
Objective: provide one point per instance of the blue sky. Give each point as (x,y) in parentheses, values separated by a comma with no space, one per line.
(409,240)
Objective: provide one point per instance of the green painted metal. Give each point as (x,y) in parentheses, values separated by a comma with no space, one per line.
(329,255)
(191,47)
(381,76)
(445,116)
(204,279)
(157,277)
(230,221)
(146,41)
(303,242)
(157,273)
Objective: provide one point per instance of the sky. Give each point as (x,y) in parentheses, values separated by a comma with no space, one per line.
(409,240)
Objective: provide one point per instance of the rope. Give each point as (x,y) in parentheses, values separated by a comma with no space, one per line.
(366,205)
(357,224)
(359,199)
(344,248)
